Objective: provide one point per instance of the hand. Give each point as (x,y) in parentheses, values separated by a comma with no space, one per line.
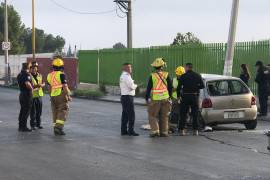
(179,100)
(69,98)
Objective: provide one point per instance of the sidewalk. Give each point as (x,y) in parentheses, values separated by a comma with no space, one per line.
(116,99)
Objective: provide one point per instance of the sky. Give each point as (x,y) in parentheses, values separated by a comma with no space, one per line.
(155,22)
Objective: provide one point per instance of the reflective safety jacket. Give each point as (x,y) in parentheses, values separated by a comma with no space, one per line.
(175,84)
(38,92)
(56,85)
(160,89)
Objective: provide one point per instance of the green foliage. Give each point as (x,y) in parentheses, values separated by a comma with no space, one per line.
(119,45)
(15,29)
(92,94)
(21,37)
(186,39)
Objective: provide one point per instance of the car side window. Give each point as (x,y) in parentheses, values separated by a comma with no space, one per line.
(218,88)
(238,87)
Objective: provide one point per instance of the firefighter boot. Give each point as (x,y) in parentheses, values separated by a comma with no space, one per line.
(59,132)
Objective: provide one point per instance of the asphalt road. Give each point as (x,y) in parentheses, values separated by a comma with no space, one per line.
(93,148)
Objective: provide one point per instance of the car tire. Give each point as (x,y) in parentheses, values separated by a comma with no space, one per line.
(251,125)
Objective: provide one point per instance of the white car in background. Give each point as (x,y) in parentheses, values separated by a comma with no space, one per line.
(226,100)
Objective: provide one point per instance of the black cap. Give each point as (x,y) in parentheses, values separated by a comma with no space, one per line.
(259,63)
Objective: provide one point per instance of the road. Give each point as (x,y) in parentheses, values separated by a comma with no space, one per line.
(93,148)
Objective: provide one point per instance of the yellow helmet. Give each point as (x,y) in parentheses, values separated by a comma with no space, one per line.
(159,62)
(180,70)
(58,62)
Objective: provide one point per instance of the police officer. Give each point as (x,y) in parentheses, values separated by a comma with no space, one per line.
(262,79)
(26,89)
(60,95)
(36,110)
(188,90)
(159,89)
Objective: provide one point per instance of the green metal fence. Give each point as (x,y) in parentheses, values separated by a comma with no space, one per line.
(104,66)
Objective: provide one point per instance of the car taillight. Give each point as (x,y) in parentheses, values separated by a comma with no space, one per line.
(253,100)
(207,103)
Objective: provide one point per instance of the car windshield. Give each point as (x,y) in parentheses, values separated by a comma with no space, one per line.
(226,87)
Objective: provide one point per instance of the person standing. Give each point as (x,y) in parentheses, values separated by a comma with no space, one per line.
(60,95)
(159,89)
(128,88)
(36,110)
(262,79)
(188,91)
(26,89)
(245,75)
(175,113)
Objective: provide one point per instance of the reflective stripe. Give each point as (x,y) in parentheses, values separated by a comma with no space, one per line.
(55,84)
(60,122)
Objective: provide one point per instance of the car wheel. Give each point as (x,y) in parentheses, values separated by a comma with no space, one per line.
(250,125)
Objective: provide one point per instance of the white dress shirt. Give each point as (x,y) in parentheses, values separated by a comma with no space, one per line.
(127,85)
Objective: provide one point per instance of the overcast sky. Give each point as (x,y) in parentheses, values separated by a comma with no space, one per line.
(155,22)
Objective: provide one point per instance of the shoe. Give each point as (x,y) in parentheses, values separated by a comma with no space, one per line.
(133,134)
(164,135)
(195,133)
(182,133)
(154,135)
(59,132)
(25,130)
(39,127)
(33,128)
(124,133)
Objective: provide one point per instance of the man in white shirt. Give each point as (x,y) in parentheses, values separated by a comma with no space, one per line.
(128,88)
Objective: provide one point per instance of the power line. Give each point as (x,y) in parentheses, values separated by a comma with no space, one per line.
(79,12)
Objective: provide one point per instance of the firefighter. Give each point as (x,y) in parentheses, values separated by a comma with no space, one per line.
(175,114)
(36,110)
(188,92)
(60,95)
(159,89)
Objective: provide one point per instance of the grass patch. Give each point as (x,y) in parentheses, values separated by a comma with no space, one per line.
(91,94)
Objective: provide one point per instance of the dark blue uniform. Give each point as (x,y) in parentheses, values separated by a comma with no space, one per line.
(188,89)
(25,99)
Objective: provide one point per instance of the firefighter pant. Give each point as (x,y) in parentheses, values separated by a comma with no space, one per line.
(26,103)
(158,112)
(36,111)
(189,101)
(60,108)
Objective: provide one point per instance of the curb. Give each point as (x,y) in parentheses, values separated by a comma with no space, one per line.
(105,100)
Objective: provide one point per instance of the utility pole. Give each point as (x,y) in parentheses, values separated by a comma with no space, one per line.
(7,72)
(33,31)
(127,6)
(228,65)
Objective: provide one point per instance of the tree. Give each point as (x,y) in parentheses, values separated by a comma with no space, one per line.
(186,39)
(21,37)
(119,45)
(69,52)
(15,29)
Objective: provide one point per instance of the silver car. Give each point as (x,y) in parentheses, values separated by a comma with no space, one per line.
(226,100)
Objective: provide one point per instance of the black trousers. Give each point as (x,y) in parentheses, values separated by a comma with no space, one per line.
(189,101)
(128,114)
(36,111)
(263,98)
(26,103)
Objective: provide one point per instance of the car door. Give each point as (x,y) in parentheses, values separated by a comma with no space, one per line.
(240,95)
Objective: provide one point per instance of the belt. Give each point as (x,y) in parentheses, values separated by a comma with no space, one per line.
(191,93)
